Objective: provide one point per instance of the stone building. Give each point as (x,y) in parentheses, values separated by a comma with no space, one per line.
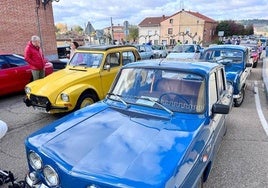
(186,26)
(20,20)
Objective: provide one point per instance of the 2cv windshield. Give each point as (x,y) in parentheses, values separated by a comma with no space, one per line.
(176,91)
(87,59)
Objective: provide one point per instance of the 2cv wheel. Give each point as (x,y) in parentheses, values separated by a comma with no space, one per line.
(84,100)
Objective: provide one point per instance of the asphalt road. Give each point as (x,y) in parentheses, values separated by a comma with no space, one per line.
(242,160)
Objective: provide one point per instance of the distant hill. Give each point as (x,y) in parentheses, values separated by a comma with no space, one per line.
(259,22)
(260,26)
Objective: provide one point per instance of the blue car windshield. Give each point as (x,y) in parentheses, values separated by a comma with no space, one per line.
(92,60)
(177,91)
(223,55)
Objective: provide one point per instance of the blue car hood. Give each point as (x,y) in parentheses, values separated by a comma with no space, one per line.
(232,72)
(113,143)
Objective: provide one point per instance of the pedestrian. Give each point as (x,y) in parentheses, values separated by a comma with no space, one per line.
(149,42)
(34,56)
(74,46)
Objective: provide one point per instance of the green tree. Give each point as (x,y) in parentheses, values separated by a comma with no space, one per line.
(249,30)
(133,33)
(78,29)
(61,28)
(231,28)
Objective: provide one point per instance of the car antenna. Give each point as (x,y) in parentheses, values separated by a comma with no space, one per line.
(161,61)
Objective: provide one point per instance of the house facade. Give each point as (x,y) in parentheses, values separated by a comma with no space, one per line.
(20,20)
(150,30)
(185,26)
(114,34)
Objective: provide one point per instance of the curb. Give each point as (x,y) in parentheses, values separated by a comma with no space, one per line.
(265,74)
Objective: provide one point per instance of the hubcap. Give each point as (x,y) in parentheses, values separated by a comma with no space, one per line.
(86,102)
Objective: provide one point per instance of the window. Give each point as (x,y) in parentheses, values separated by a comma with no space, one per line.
(221,81)
(113,59)
(213,95)
(128,57)
(170,31)
(171,21)
(86,59)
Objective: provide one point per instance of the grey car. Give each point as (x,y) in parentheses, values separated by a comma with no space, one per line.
(145,51)
(160,51)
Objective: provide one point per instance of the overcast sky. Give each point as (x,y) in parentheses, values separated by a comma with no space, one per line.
(100,12)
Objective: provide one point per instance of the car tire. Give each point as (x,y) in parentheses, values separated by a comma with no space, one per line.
(255,64)
(84,100)
(239,101)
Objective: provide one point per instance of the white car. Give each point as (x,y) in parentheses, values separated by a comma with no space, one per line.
(185,51)
(3,128)
(160,51)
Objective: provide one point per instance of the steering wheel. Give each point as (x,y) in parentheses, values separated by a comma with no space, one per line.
(173,97)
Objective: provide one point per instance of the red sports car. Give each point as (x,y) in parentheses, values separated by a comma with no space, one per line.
(15,73)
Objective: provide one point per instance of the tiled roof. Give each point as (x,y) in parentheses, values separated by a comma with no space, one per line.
(201,16)
(196,14)
(152,21)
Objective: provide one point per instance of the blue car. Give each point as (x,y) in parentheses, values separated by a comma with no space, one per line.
(238,65)
(160,125)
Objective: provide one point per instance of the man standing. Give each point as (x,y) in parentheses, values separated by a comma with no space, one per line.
(34,56)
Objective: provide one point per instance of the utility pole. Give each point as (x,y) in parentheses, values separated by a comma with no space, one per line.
(112,31)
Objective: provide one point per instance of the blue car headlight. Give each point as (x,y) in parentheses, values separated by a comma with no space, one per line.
(35,160)
(51,176)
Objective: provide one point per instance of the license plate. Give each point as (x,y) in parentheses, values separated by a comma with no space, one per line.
(40,109)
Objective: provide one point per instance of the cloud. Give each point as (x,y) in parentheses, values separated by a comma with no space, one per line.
(99,13)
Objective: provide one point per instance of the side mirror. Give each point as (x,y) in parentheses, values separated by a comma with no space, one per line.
(220,108)
(248,64)
(107,67)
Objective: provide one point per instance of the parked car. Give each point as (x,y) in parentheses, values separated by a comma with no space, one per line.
(15,73)
(160,51)
(145,51)
(85,80)
(185,51)
(160,125)
(255,53)
(63,57)
(238,65)
(59,63)
(63,51)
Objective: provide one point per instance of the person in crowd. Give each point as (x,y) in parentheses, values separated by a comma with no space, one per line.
(149,42)
(74,46)
(34,56)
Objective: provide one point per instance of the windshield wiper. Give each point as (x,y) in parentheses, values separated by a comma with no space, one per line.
(157,103)
(119,97)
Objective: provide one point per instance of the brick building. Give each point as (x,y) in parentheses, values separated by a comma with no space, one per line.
(19,20)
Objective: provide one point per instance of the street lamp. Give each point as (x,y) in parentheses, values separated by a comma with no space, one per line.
(45,2)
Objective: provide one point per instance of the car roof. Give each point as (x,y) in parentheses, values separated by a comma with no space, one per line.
(17,55)
(200,67)
(102,47)
(228,46)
